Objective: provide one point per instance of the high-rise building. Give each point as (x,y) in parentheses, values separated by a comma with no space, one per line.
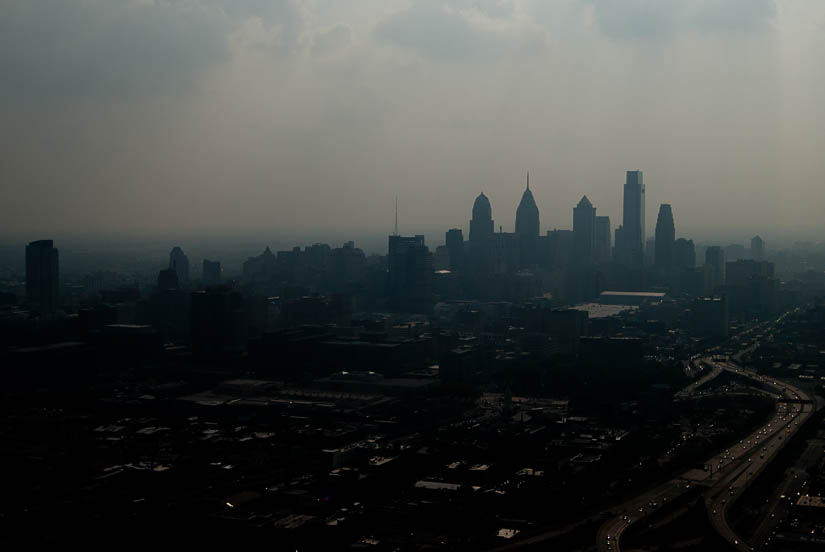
(665,237)
(757,249)
(42,272)
(618,244)
(347,267)
(560,248)
(584,232)
(527,229)
(650,250)
(633,220)
(481,230)
(481,225)
(179,262)
(684,254)
(454,240)
(410,272)
(527,214)
(503,252)
(715,259)
(167,279)
(211,272)
(602,240)
(261,268)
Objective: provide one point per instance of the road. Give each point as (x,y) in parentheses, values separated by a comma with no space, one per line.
(786,494)
(610,533)
(691,389)
(737,467)
(756,452)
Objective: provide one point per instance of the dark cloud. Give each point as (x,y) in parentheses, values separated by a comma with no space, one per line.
(664,18)
(59,51)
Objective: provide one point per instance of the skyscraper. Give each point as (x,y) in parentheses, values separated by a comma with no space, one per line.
(527,214)
(167,279)
(42,271)
(757,248)
(527,229)
(455,246)
(715,259)
(633,220)
(665,237)
(410,272)
(211,272)
(684,254)
(618,244)
(602,240)
(179,262)
(481,231)
(584,232)
(481,225)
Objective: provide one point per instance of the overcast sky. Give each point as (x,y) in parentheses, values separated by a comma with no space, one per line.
(145,117)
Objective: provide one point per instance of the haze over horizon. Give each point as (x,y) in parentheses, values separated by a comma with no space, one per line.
(144,118)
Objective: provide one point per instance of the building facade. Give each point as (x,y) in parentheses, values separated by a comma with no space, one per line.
(42,276)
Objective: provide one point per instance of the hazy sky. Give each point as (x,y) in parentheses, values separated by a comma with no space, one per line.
(146,117)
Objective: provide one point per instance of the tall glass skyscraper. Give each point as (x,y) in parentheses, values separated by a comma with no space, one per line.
(665,237)
(633,220)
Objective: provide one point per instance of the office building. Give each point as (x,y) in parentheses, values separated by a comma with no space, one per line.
(454,240)
(179,262)
(559,248)
(757,249)
(410,272)
(584,232)
(684,254)
(42,272)
(527,228)
(633,221)
(211,272)
(715,259)
(527,214)
(481,225)
(603,244)
(167,279)
(665,238)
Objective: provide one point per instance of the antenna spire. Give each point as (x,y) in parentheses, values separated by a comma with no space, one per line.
(396,215)
(528,180)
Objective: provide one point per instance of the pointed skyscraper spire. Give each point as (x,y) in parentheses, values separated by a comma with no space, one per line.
(396,215)
(527,213)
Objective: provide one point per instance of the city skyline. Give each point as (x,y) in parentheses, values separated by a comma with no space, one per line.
(465,275)
(374,239)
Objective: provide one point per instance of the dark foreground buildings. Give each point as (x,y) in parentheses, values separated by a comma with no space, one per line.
(42,271)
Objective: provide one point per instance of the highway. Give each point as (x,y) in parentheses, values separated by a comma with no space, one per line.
(755,452)
(691,389)
(737,466)
(786,493)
